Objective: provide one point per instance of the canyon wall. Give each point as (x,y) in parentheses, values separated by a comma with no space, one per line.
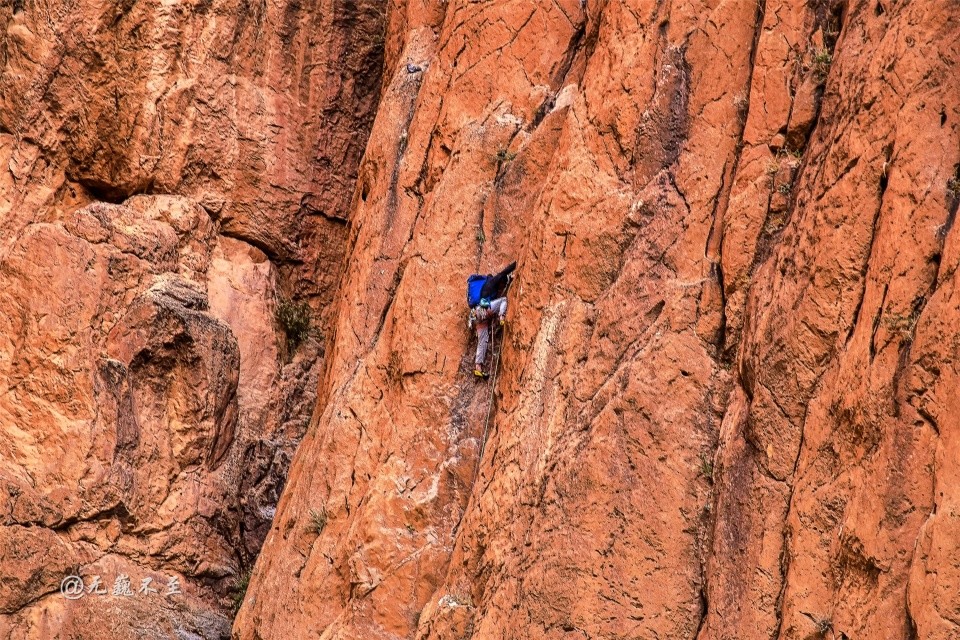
(725,391)
(173,174)
(723,399)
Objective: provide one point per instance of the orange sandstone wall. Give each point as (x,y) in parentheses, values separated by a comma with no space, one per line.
(168,171)
(726,389)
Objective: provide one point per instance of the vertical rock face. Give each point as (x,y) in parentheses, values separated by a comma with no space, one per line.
(724,400)
(170,172)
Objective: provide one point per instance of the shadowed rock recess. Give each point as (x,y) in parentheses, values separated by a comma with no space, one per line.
(726,395)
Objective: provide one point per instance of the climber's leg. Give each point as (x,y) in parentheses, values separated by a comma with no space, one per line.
(499,307)
(483,338)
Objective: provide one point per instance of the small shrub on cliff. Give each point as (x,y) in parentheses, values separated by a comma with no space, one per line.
(318,521)
(822,59)
(706,467)
(953,188)
(295,319)
(773,168)
(823,626)
(377,26)
(901,323)
(503,156)
(461,599)
(775,222)
(240,589)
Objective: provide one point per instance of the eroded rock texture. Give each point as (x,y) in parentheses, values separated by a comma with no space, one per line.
(170,171)
(725,401)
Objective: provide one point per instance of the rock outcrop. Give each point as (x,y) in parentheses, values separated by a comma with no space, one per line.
(172,174)
(724,401)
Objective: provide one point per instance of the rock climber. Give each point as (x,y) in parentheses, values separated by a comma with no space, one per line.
(487,298)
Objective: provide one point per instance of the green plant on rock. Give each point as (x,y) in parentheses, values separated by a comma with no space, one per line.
(795,154)
(776,221)
(502,157)
(378,33)
(296,321)
(318,521)
(820,63)
(239,590)
(901,323)
(706,467)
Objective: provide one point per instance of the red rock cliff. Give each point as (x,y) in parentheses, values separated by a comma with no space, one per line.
(173,173)
(726,392)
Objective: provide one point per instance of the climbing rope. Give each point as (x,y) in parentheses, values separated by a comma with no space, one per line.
(493,386)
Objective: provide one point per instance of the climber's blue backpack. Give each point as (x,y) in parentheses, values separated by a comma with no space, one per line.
(474,286)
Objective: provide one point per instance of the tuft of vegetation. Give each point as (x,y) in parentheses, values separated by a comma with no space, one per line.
(318,521)
(481,236)
(395,367)
(795,154)
(239,590)
(461,600)
(504,156)
(821,61)
(742,282)
(953,188)
(706,467)
(785,188)
(775,222)
(377,12)
(901,323)
(823,626)
(296,321)
(785,158)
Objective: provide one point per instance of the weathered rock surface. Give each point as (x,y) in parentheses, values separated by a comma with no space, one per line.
(170,171)
(725,397)
(725,402)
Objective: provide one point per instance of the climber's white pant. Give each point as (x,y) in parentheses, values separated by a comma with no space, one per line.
(498,309)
